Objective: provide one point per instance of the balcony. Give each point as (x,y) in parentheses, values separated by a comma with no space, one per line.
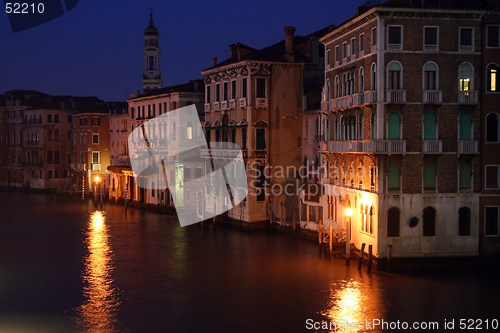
(467,147)
(432,96)
(77,166)
(468,97)
(242,102)
(232,104)
(395,96)
(96,166)
(343,102)
(207,107)
(261,102)
(370,96)
(259,153)
(432,146)
(222,153)
(217,106)
(368,146)
(223,105)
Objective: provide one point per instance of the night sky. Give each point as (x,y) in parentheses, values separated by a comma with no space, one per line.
(95,49)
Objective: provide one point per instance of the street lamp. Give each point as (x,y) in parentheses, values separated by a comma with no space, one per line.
(348,213)
(97,180)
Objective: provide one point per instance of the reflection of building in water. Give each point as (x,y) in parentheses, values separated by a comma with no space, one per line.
(98,313)
(352,304)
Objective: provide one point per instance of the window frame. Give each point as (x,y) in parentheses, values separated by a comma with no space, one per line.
(497,186)
(488,35)
(485,221)
(394,46)
(464,47)
(430,47)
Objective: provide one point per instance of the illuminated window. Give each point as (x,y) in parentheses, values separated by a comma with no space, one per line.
(465,79)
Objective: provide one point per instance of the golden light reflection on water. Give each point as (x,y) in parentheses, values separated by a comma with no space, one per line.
(353,305)
(98,313)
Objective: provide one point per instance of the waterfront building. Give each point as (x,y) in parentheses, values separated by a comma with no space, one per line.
(91,148)
(404,103)
(255,99)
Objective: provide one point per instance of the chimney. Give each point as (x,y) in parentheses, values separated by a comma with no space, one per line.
(238,49)
(214,61)
(232,50)
(289,31)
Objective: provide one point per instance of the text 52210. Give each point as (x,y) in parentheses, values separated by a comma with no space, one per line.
(24,8)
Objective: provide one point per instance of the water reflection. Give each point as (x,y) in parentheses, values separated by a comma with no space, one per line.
(99,312)
(354,305)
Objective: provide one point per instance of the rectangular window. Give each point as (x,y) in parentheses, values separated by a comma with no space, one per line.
(466,36)
(374,37)
(344,51)
(244,87)
(56,118)
(492,176)
(430,38)
(96,157)
(49,118)
(188,195)
(225,91)
(207,94)
(197,173)
(95,139)
(85,123)
(395,38)
(217,92)
(327,58)
(491,221)
(261,87)
(69,135)
(187,173)
(336,54)
(353,46)
(493,36)
(260,139)
(69,119)
(233,89)
(362,43)
(96,121)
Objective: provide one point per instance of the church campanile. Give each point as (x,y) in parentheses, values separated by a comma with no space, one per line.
(151,77)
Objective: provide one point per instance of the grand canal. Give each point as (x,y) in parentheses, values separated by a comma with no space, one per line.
(65,267)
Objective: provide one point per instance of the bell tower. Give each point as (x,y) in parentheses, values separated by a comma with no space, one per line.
(151,76)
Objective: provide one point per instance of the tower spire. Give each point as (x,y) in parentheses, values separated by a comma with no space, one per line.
(151,76)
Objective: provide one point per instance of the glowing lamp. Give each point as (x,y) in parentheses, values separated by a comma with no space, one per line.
(348,212)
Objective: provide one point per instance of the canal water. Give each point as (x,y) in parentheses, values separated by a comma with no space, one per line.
(65,267)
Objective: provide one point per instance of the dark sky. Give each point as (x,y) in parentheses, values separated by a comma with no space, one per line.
(96,48)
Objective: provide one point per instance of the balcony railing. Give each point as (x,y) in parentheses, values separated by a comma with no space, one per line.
(432,146)
(468,97)
(395,96)
(432,96)
(261,102)
(467,147)
(96,167)
(371,96)
(368,146)
(222,153)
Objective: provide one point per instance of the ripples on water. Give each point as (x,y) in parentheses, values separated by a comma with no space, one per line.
(98,314)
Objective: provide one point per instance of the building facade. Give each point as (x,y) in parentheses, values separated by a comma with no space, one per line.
(255,99)
(402,126)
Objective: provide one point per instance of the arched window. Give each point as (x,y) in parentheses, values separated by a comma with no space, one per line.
(189,130)
(430,126)
(429,178)
(393,222)
(465,80)
(50,157)
(430,76)
(373,80)
(56,135)
(361,80)
(49,135)
(492,78)
(429,218)
(464,177)
(327,129)
(394,126)
(465,126)
(394,76)
(393,177)
(492,127)
(57,157)
(464,221)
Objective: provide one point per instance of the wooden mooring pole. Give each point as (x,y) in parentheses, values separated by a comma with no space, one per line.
(361,255)
(370,258)
(330,238)
(389,257)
